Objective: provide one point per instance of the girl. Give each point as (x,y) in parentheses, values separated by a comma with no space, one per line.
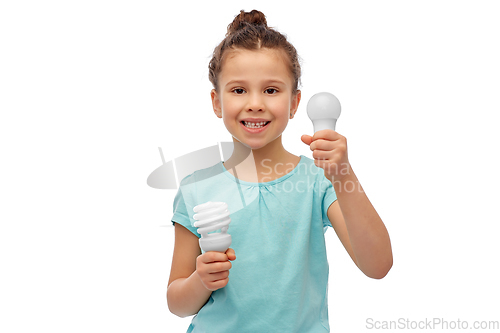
(280,203)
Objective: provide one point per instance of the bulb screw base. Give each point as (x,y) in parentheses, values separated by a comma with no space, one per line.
(321,124)
(216,242)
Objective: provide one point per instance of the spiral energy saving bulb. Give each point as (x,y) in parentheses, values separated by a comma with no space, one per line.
(323,109)
(212,216)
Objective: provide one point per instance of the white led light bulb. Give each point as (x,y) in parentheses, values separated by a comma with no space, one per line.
(323,109)
(212,216)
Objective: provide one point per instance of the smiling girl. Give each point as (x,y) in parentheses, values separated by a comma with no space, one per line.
(279,282)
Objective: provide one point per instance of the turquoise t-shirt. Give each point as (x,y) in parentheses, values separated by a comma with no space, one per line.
(279,280)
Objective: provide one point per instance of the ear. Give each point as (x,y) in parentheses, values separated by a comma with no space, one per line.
(295,103)
(216,103)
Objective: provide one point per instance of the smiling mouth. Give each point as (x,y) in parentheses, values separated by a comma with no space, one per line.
(255,125)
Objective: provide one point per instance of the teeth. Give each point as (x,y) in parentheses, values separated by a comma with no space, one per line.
(254,125)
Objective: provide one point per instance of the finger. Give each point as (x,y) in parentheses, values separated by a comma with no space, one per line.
(219,284)
(322,155)
(307,139)
(219,276)
(231,255)
(217,267)
(327,134)
(322,144)
(213,256)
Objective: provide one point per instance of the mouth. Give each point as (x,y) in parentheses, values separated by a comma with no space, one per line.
(258,125)
(254,127)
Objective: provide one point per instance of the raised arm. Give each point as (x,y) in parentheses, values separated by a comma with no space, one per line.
(353,217)
(360,228)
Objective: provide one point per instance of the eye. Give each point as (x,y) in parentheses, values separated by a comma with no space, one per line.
(271,91)
(238,91)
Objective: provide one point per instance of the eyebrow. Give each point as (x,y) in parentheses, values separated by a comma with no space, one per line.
(267,82)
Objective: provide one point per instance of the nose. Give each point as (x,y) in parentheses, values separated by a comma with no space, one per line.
(255,102)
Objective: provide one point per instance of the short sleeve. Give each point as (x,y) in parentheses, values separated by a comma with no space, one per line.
(183,207)
(329,197)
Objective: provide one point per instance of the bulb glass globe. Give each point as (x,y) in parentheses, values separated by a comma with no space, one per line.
(323,109)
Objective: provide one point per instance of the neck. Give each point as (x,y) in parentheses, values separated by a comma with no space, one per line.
(246,160)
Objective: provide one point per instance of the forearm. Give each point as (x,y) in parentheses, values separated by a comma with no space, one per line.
(186,296)
(367,233)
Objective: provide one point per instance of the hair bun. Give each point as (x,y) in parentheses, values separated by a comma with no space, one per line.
(254,17)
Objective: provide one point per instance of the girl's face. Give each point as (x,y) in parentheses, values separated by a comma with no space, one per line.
(255,86)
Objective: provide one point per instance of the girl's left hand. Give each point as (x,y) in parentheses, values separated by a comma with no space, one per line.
(329,152)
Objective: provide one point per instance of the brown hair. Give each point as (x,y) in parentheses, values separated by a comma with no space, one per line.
(249,31)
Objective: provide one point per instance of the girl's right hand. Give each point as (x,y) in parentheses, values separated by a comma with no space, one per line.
(213,268)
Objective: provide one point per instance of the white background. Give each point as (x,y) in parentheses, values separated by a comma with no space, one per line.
(90,89)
